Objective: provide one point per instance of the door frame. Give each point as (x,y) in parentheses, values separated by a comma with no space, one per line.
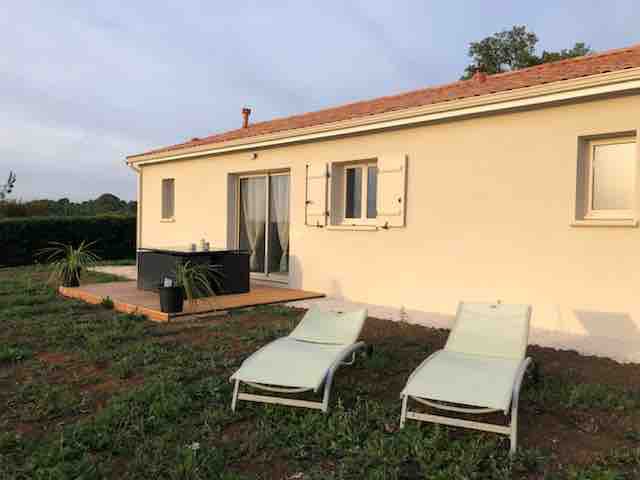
(272,277)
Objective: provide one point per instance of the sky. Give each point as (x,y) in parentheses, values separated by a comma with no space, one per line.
(83,84)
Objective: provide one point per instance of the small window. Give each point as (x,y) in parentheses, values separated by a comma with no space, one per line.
(168,198)
(359,193)
(611,178)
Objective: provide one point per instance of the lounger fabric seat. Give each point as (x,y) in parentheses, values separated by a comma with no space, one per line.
(290,363)
(472,380)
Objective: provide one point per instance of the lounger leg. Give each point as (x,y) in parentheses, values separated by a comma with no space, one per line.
(327,388)
(514,435)
(329,380)
(234,398)
(326,395)
(403,414)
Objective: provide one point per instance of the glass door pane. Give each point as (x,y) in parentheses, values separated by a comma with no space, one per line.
(354,192)
(278,246)
(253,212)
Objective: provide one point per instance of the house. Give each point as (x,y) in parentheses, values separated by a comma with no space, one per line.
(516,187)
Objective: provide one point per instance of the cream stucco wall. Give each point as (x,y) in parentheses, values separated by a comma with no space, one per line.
(490,202)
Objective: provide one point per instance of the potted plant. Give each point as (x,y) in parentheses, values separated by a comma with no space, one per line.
(192,280)
(67,262)
(171,297)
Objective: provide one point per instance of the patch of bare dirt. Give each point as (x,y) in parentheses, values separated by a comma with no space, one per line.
(585,368)
(54,358)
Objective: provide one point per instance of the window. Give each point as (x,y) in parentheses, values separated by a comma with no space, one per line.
(357,195)
(610,176)
(360,192)
(168,198)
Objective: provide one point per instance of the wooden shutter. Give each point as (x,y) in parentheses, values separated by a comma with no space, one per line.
(392,181)
(167,198)
(316,199)
(336,193)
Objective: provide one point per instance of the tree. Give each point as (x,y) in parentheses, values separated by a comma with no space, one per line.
(579,49)
(7,188)
(514,49)
(107,203)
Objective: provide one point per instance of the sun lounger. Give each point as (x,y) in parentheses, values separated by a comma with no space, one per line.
(479,371)
(305,360)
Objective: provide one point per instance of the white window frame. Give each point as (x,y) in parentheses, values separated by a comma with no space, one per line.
(363,219)
(173,200)
(602,214)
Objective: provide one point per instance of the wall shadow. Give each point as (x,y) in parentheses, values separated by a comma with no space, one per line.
(611,330)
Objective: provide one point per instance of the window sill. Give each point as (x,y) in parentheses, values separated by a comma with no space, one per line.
(606,222)
(167,220)
(365,228)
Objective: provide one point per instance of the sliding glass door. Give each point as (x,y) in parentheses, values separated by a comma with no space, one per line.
(264,223)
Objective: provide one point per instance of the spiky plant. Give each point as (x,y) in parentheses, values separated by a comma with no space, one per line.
(67,262)
(7,187)
(196,279)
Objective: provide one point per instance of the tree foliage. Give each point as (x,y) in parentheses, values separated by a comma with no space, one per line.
(514,49)
(106,203)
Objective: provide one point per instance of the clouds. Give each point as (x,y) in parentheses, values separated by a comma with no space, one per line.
(82,84)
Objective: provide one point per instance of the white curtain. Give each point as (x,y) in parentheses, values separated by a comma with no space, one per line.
(280,215)
(252,196)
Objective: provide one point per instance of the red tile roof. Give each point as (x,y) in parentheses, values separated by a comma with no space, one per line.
(608,61)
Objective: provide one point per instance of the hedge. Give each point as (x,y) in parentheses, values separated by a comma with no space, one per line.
(22,238)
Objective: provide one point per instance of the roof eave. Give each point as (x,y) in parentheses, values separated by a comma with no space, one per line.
(584,87)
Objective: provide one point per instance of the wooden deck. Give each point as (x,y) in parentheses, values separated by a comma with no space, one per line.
(127,298)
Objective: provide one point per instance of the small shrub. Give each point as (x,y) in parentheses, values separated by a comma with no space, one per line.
(16,353)
(633,435)
(8,442)
(107,303)
(594,473)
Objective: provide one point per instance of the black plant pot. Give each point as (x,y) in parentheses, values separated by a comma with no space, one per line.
(171,299)
(73,281)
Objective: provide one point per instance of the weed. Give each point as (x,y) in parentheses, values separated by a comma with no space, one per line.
(14,353)
(107,303)
(572,395)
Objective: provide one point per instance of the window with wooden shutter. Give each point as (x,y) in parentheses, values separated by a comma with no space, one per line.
(316,198)
(392,181)
(168,198)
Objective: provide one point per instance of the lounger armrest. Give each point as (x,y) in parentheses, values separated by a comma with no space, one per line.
(517,384)
(351,350)
(340,360)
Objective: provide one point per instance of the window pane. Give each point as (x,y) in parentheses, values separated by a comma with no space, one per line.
(613,172)
(372,192)
(253,195)
(167,198)
(354,193)
(278,261)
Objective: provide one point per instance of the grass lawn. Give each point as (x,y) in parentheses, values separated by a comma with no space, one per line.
(89,393)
